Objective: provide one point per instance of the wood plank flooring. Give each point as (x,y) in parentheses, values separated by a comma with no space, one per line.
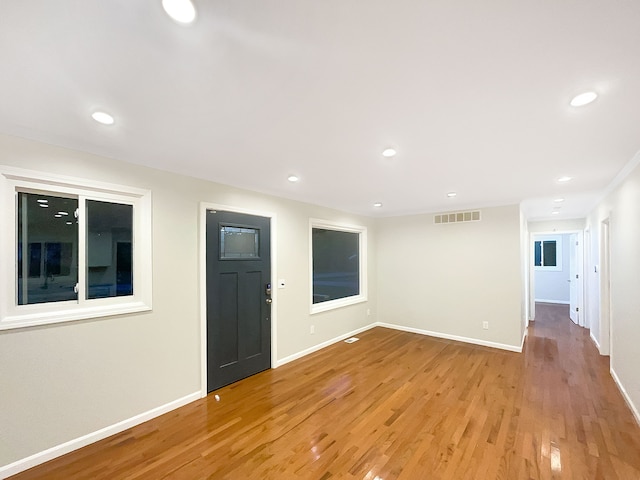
(394,405)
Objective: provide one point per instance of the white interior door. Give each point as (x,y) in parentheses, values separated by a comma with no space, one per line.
(574,313)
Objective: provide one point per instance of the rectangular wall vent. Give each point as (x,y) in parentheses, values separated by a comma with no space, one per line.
(457,217)
(351,340)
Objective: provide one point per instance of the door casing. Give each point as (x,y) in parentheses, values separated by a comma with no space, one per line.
(204,206)
(576,288)
(606,319)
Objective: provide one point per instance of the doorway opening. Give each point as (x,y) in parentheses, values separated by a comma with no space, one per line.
(557,266)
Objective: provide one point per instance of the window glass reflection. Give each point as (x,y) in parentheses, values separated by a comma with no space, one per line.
(47,257)
(336,264)
(109,249)
(239,243)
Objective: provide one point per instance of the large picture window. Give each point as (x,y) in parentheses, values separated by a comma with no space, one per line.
(80,249)
(338,262)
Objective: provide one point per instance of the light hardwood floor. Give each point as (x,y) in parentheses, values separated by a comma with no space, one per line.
(394,405)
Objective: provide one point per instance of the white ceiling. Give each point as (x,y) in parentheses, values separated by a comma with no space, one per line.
(473,95)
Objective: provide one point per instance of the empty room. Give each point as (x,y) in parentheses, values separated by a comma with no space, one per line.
(319,240)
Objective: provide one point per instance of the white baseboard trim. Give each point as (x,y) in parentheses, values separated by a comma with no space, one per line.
(593,339)
(559,302)
(322,345)
(475,341)
(64,448)
(524,337)
(625,395)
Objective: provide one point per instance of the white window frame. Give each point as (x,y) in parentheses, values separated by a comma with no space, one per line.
(12,315)
(362,267)
(548,238)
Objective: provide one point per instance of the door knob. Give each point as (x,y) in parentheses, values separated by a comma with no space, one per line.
(268,300)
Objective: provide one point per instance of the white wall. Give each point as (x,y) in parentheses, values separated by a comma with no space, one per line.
(553,286)
(622,208)
(449,278)
(60,382)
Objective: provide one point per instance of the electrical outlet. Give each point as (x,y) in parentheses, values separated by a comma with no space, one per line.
(485,325)
(368,312)
(313,329)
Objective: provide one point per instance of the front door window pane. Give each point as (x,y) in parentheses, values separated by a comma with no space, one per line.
(239,243)
(47,257)
(109,249)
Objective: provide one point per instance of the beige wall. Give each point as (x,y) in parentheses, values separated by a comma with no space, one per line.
(448,279)
(622,209)
(60,382)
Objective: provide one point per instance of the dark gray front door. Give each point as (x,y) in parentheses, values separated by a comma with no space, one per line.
(238,297)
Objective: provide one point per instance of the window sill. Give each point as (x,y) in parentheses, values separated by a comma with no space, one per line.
(339,303)
(24,320)
(538,268)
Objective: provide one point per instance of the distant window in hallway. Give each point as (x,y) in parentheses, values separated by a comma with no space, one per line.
(548,253)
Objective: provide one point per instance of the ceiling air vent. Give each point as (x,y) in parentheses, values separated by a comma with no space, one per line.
(457,217)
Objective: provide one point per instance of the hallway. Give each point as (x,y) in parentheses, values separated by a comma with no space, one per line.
(585,426)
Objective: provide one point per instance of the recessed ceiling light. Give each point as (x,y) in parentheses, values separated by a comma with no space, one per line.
(293,178)
(451,194)
(583,99)
(565,179)
(389,152)
(555,212)
(182,11)
(103,118)
(559,200)
(377,204)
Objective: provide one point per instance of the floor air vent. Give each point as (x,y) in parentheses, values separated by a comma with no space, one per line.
(457,217)
(351,340)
